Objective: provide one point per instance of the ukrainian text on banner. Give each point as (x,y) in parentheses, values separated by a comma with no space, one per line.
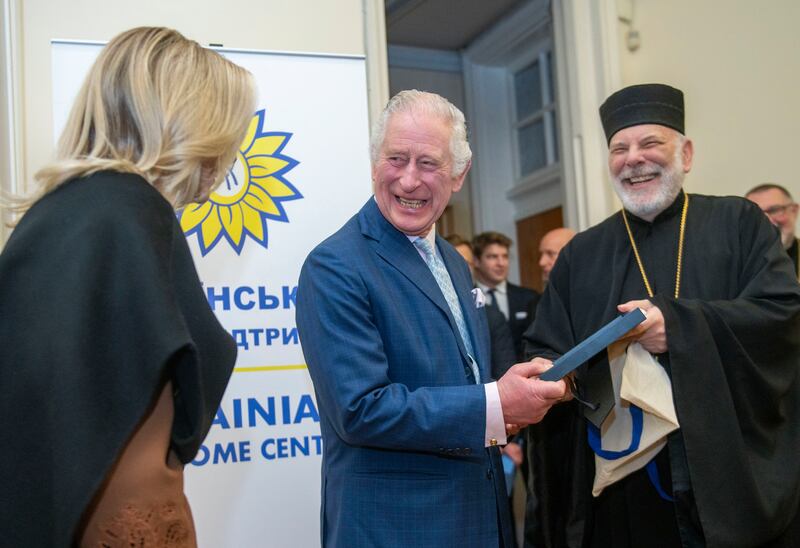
(301,172)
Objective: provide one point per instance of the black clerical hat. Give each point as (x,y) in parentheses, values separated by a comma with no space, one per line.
(642,104)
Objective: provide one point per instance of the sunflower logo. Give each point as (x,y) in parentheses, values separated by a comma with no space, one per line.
(253,192)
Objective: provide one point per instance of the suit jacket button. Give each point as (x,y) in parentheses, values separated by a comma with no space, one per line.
(488,473)
(467,451)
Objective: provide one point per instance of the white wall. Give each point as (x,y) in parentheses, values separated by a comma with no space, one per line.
(587,66)
(5,159)
(738,64)
(10,61)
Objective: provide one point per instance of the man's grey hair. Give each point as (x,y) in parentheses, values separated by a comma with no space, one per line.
(425,103)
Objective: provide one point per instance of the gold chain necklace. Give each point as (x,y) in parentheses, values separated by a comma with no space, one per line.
(680,249)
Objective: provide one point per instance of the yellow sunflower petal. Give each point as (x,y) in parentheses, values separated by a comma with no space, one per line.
(275,187)
(231,218)
(251,133)
(264,166)
(260,200)
(193,215)
(252,222)
(211,227)
(267,145)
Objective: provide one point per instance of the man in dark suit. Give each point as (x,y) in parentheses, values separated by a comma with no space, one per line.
(502,345)
(491,274)
(398,352)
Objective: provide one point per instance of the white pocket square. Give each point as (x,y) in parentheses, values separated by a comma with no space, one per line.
(478,297)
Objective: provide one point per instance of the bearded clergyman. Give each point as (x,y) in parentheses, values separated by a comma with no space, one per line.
(721,337)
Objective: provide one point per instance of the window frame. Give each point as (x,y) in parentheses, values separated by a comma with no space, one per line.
(542,52)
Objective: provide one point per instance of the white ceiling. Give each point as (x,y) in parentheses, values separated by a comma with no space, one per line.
(442,24)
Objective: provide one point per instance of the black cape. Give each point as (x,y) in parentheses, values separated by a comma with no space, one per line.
(100,305)
(733,356)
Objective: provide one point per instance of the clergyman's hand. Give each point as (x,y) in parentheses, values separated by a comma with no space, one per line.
(526,399)
(651,333)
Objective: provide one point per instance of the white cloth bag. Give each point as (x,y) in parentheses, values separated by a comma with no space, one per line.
(638,379)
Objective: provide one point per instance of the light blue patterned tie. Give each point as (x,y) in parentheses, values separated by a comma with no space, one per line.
(442,278)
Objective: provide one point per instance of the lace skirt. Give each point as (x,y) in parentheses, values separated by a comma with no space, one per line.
(141,502)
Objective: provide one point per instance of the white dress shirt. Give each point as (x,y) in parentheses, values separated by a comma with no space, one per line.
(500,295)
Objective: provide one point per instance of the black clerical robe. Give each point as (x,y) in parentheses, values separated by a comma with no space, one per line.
(733,357)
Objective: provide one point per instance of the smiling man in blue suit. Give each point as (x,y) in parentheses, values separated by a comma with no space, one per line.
(399,354)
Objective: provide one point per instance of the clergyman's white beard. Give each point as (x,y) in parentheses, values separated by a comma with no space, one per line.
(649,205)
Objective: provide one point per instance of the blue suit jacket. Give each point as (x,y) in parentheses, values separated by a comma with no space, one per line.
(404,462)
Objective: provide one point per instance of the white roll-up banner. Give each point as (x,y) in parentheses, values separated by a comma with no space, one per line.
(301,172)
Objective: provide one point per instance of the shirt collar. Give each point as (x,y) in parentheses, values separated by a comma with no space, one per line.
(502,287)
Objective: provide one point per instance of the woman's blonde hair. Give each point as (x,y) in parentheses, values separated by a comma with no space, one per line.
(160,105)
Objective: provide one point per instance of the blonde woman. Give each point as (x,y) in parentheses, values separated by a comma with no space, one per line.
(113,364)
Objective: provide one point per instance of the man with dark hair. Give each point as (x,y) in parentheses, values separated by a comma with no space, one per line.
(777,203)
(490,250)
(503,355)
(722,336)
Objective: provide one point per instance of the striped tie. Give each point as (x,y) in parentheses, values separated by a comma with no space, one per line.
(442,278)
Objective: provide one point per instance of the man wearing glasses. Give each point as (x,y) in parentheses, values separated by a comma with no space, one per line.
(777,203)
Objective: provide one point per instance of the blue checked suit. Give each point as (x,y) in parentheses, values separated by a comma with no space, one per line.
(404,462)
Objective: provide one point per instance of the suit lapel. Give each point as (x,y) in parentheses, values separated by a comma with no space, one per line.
(396,249)
(513,301)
